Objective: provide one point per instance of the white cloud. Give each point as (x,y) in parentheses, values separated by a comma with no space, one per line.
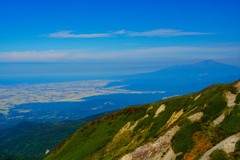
(165,33)
(141,55)
(68,34)
(158,32)
(120,32)
(186,49)
(42,56)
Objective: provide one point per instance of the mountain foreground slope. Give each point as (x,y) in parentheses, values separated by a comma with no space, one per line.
(200,125)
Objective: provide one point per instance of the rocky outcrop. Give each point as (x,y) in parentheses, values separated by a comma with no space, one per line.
(170,155)
(196,116)
(238,86)
(154,150)
(174,117)
(159,110)
(151,107)
(219,120)
(127,157)
(230,99)
(227,145)
(129,127)
(197,97)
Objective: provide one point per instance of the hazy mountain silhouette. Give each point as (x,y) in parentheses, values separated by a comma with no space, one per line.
(203,73)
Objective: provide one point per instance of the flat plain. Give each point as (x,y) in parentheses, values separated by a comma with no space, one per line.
(12,95)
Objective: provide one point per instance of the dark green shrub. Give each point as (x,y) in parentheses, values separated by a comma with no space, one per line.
(214,107)
(237,98)
(236,156)
(219,155)
(180,157)
(143,123)
(184,121)
(232,89)
(182,140)
(231,123)
(237,146)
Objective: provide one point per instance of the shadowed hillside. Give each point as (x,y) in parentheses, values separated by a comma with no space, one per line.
(31,138)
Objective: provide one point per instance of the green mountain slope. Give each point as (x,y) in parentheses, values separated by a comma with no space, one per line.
(31,138)
(194,126)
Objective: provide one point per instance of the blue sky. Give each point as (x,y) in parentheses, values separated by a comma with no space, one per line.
(140,32)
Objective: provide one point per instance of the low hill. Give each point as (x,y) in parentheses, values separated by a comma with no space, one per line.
(201,125)
(31,138)
(9,156)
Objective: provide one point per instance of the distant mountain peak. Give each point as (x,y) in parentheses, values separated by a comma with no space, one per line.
(209,62)
(206,64)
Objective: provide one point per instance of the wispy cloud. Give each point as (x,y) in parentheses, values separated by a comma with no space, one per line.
(130,44)
(165,33)
(157,32)
(43,56)
(140,55)
(69,34)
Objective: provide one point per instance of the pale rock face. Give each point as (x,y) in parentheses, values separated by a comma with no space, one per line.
(230,99)
(151,107)
(129,127)
(227,145)
(196,116)
(238,86)
(159,110)
(127,157)
(170,155)
(154,150)
(174,117)
(219,120)
(197,97)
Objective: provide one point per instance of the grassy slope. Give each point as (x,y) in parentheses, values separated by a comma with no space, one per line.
(98,139)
